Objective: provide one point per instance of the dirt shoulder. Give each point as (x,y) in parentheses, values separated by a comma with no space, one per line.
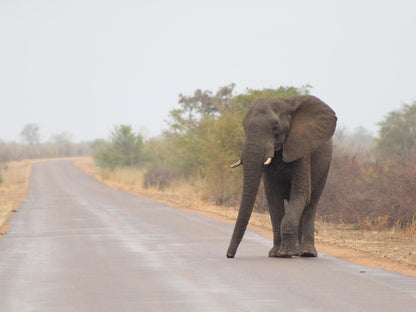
(385,250)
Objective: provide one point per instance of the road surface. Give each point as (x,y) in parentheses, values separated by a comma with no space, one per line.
(78,245)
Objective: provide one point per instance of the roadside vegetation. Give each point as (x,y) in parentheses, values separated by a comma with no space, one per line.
(370,184)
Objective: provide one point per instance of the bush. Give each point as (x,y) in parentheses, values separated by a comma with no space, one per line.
(365,193)
(160,177)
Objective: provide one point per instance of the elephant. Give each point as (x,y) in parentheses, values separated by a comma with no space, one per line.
(288,143)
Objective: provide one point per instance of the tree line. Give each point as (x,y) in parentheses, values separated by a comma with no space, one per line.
(59,145)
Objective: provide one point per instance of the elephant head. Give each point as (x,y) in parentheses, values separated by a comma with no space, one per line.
(292,128)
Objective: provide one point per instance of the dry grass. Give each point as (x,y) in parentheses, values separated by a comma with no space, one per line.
(13,189)
(388,244)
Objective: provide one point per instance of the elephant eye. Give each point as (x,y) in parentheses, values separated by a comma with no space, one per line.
(276,128)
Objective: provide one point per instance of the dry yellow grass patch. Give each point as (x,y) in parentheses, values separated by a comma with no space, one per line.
(13,189)
(387,244)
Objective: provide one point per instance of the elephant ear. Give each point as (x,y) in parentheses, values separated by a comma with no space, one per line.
(312,124)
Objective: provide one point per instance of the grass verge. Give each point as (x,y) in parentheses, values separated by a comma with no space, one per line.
(13,189)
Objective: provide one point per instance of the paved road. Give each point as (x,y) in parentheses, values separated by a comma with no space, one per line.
(77,245)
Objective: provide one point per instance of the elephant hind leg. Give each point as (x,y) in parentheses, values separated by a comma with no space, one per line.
(307,230)
(307,246)
(307,223)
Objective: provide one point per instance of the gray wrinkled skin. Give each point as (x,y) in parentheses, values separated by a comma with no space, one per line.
(296,134)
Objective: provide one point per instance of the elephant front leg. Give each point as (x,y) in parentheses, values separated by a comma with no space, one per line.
(276,215)
(289,229)
(300,195)
(275,200)
(307,248)
(307,232)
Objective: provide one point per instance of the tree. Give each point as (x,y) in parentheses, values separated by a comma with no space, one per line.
(202,104)
(206,136)
(124,148)
(61,143)
(30,134)
(61,138)
(127,144)
(359,141)
(397,133)
(242,101)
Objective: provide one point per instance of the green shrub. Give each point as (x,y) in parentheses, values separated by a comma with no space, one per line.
(123,150)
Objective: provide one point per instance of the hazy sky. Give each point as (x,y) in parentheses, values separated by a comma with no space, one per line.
(83,66)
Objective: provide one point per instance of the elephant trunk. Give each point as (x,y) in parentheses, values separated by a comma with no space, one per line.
(253,162)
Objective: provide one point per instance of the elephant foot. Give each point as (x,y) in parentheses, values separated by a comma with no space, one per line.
(308,251)
(288,251)
(274,252)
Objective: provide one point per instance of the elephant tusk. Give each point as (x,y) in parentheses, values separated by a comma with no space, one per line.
(236,164)
(268,161)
